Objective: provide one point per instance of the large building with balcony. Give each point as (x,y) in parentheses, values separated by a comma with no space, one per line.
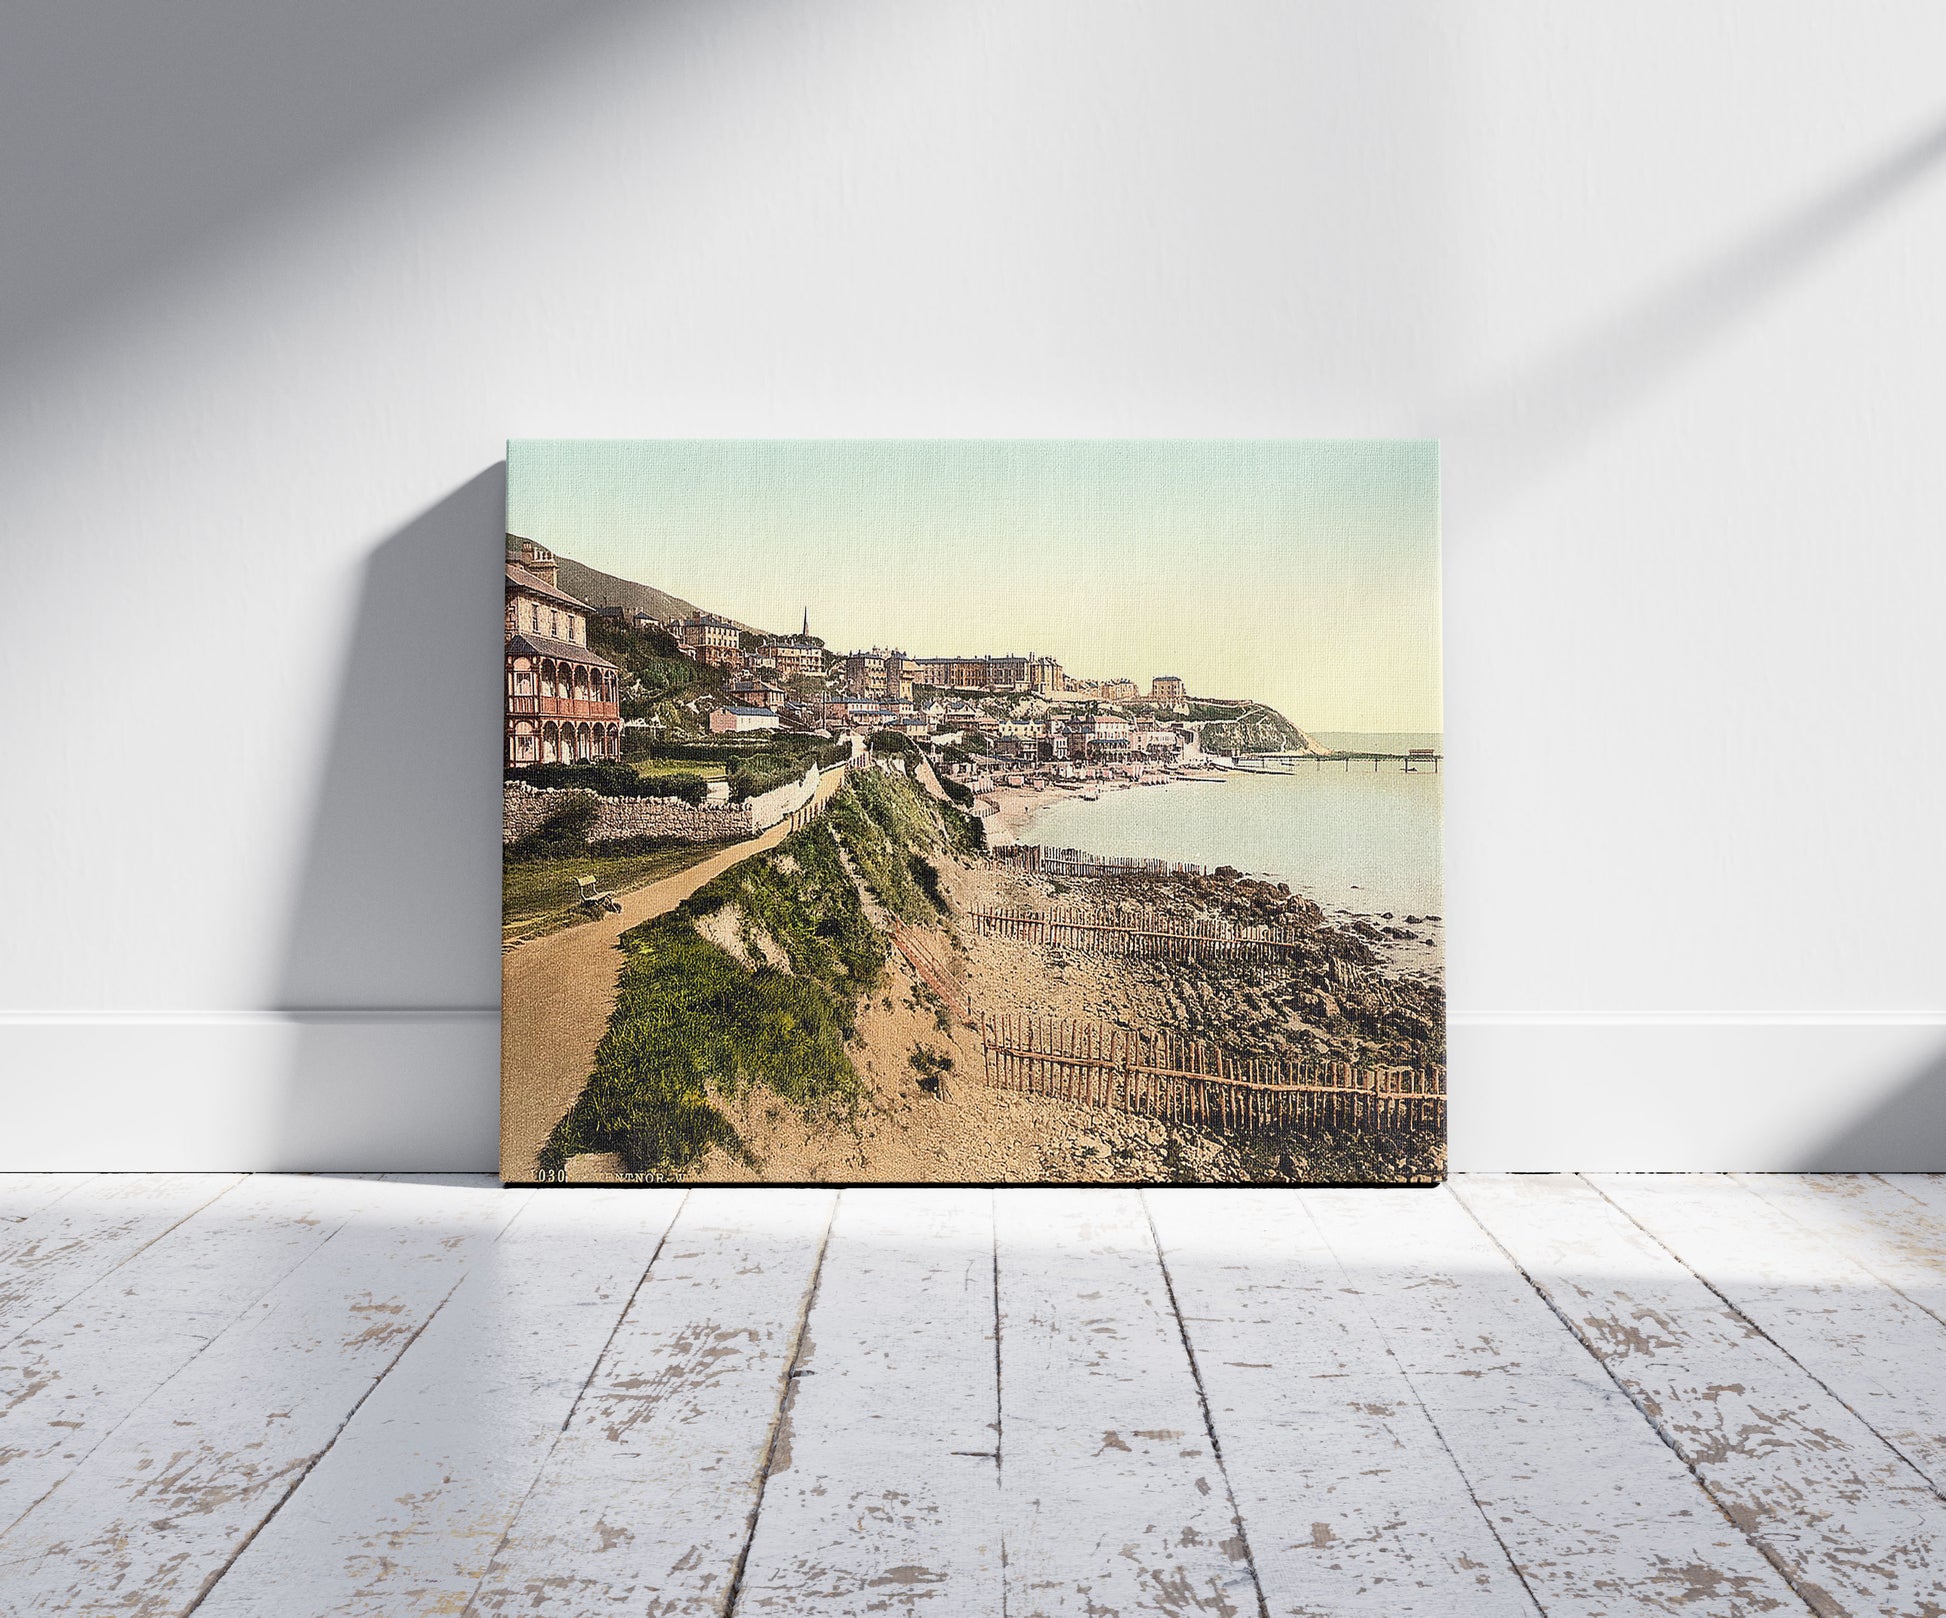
(563,701)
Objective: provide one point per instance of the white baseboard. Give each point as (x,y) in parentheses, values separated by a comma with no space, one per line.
(420,1090)
(1812,1091)
(251,1090)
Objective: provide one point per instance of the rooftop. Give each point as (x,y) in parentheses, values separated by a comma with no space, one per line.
(564,650)
(518,578)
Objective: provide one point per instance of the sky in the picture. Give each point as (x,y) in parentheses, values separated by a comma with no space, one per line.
(1304,574)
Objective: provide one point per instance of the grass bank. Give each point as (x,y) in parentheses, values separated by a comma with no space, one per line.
(755,980)
(538,896)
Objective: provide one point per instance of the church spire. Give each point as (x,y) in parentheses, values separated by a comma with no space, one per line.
(805,632)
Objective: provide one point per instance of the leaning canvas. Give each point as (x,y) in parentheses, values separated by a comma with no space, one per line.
(981,812)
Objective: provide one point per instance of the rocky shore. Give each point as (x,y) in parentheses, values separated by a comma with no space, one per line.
(1359,988)
(1366,989)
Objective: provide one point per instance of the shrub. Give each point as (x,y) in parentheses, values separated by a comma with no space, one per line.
(926,874)
(691,1023)
(753,777)
(609,777)
(965,834)
(612,779)
(881,820)
(689,788)
(958,791)
(725,751)
(890,741)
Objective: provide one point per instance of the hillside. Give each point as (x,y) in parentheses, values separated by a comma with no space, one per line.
(744,1002)
(600,589)
(1256,729)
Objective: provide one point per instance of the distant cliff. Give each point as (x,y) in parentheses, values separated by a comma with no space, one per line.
(1256,729)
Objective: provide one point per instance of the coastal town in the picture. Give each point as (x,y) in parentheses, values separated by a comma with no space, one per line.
(973,812)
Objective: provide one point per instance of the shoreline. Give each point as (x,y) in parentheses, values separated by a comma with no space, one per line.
(1016,808)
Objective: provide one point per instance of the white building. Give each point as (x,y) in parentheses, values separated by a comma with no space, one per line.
(730,721)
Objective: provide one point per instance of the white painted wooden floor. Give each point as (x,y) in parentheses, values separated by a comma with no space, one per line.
(1605,1395)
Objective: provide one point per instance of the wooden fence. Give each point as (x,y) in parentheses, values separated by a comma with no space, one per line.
(1147,933)
(1169,1076)
(804,814)
(1034,859)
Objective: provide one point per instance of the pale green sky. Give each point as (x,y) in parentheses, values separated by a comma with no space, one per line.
(1301,573)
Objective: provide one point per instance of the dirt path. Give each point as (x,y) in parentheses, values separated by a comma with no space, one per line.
(557,993)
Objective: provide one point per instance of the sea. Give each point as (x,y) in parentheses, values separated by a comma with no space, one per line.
(1349,836)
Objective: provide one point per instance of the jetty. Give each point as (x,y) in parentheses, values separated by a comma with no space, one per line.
(1416,760)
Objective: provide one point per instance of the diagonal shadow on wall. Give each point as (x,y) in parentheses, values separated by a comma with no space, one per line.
(391,960)
(1904,1134)
(1510,435)
(137,142)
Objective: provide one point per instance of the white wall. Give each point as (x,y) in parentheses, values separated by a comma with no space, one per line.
(279,281)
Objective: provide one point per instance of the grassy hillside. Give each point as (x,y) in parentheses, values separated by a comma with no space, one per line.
(755,980)
(1255,729)
(600,589)
(658,681)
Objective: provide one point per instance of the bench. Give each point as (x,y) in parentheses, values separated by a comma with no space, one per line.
(590,897)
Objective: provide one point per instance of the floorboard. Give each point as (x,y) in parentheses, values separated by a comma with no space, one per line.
(1894,1225)
(157,1511)
(70,1380)
(647,1501)
(404,1514)
(23,1194)
(883,1495)
(1839,1511)
(1531,1396)
(1597,1513)
(1113,1499)
(1875,1350)
(60,1248)
(1350,1501)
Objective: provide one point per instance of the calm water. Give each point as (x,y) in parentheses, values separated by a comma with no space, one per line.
(1375,741)
(1364,839)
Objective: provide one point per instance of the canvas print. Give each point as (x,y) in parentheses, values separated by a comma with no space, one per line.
(973,811)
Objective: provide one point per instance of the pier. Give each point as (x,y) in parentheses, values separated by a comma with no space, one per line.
(1418,760)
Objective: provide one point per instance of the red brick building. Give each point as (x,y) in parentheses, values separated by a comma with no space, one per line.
(563,701)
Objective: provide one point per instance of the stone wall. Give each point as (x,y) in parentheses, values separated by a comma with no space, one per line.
(524,808)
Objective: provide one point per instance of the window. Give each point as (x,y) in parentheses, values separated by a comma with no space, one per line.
(554,624)
(533,617)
